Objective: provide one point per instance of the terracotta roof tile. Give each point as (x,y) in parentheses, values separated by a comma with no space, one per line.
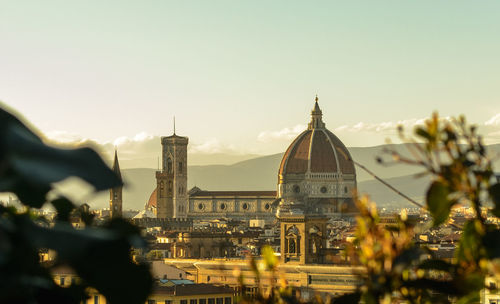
(297,161)
(345,159)
(322,156)
(323,159)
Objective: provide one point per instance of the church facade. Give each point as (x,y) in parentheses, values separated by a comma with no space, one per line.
(316,179)
(236,205)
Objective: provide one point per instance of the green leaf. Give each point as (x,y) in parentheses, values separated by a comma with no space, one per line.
(470,243)
(494,191)
(471,285)
(438,203)
(491,242)
(422,133)
(470,298)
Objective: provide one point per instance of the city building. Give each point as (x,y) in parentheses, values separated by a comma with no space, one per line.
(237,205)
(331,279)
(316,171)
(316,183)
(191,294)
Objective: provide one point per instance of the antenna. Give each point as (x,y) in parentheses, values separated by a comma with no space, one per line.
(174,124)
(158,158)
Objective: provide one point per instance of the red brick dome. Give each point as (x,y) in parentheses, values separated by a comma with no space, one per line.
(316,150)
(152,200)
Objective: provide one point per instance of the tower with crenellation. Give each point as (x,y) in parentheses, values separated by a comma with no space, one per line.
(171,181)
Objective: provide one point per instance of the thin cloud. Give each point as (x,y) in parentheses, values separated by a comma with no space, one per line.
(383,127)
(212,146)
(141,137)
(386,126)
(491,128)
(283,134)
(494,121)
(142,145)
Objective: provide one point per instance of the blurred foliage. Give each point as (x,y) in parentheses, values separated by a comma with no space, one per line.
(100,256)
(397,269)
(386,252)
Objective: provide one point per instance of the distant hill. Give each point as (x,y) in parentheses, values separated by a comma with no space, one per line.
(385,197)
(261,174)
(150,160)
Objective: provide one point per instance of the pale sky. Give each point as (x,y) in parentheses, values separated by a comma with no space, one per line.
(241,76)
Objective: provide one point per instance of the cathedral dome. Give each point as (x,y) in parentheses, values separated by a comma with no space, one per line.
(152,200)
(317,173)
(316,150)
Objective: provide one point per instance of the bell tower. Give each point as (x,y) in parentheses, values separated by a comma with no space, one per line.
(171,181)
(115,194)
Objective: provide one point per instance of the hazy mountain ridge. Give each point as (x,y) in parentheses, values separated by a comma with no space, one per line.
(261,174)
(152,159)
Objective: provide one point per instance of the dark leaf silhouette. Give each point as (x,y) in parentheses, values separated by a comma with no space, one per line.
(64,207)
(99,256)
(495,196)
(29,167)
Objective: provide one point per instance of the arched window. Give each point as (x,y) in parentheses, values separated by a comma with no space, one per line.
(169,166)
(291,246)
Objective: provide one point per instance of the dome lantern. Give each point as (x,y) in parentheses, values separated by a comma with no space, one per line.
(316,117)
